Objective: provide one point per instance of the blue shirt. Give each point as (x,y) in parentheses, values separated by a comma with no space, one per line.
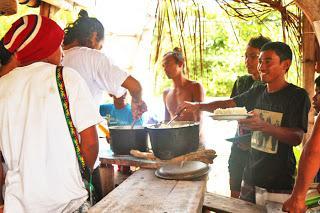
(118,117)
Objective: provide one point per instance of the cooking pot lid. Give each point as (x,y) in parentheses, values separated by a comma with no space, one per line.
(187,170)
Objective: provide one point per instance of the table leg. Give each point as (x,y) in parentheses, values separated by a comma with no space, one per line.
(107,178)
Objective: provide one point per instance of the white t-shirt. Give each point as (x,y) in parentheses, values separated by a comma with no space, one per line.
(97,70)
(43,173)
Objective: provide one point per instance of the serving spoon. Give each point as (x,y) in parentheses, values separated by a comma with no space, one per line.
(176,116)
(133,122)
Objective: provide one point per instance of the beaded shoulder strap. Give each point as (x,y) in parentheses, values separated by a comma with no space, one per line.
(84,170)
(66,109)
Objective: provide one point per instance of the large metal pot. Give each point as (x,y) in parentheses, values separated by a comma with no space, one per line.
(180,138)
(124,139)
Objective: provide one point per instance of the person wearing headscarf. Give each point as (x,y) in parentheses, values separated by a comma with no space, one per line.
(43,172)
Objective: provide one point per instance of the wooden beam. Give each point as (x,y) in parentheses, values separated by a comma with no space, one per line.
(311,8)
(308,65)
(47,9)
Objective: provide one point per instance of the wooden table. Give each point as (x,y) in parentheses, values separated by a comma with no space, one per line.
(107,170)
(144,192)
(222,204)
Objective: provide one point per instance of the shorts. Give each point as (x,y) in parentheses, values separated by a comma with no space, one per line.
(248,192)
(237,162)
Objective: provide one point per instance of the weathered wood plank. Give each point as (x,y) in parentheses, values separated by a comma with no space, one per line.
(222,204)
(127,160)
(144,192)
(311,8)
(308,67)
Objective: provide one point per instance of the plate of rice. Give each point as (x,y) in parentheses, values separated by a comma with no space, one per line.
(235,113)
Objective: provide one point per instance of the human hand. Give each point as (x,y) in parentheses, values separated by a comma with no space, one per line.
(294,205)
(188,106)
(138,108)
(254,123)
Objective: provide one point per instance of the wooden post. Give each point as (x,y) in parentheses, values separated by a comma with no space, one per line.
(106,178)
(308,65)
(47,9)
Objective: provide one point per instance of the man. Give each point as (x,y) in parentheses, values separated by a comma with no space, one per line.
(239,151)
(82,45)
(43,173)
(119,112)
(183,89)
(309,163)
(280,117)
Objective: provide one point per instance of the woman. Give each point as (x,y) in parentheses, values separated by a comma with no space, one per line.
(83,40)
(43,173)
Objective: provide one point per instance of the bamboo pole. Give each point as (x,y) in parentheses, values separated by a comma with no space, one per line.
(47,9)
(308,65)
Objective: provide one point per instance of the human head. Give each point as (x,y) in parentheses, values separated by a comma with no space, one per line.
(32,38)
(316,97)
(120,102)
(274,61)
(86,31)
(173,62)
(252,55)
(282,50)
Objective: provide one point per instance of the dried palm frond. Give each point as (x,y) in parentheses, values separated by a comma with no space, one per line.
(291,17)
(181,21)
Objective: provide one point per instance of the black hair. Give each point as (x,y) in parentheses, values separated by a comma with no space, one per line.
(317,81)
(5,55)
(281,49)
(177,54)
(258,42)
(82,29)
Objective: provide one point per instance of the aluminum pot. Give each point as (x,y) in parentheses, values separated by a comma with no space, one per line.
(123,139)
(180,138)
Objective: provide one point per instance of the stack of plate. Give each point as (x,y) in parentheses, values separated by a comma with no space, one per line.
(183,171)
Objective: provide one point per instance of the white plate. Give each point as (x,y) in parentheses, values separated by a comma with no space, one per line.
(230,117)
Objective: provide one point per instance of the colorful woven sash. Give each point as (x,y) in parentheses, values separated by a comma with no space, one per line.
(84,170)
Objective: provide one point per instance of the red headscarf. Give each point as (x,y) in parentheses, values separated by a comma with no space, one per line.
(33,38)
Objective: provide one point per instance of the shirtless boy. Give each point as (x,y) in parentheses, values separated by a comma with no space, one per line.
(183,89)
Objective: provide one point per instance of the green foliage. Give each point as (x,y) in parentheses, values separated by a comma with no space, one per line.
(6,21)
(62,17)
(225,42)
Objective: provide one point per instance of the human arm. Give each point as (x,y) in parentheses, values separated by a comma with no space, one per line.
(167,116)
(84,113)
(134,88)
(308,168)
(202,106)
(138,106)
(290,136)
(89,146)
(198,96)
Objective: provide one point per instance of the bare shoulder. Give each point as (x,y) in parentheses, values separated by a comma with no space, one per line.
(197,91)
(165,92)
(194,85)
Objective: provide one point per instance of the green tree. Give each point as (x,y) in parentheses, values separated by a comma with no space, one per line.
(225,42)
